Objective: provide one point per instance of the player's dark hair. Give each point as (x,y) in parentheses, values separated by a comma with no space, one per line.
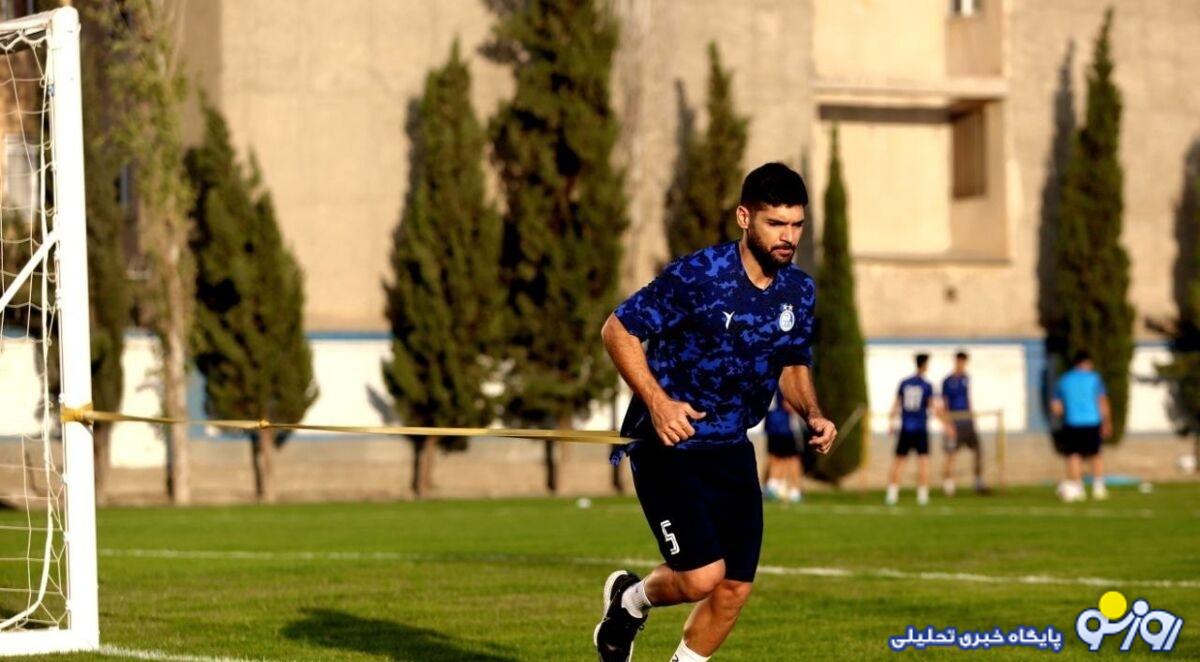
(1081,356)
(922,359)
(773,185)
(961,355)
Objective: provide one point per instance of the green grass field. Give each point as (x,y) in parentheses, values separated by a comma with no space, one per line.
(521,579)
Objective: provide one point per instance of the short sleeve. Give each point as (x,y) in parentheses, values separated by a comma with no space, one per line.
(1100,390)
(655,308)
(799,350)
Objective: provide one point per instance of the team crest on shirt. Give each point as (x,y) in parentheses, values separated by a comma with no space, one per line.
(787,319)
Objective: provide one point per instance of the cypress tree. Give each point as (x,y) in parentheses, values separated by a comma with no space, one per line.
(701,202)
(144,92)
(108,290)
(1183,372)
(1091,278)
(838,357)
(248,334)
(565,207)
(443,300)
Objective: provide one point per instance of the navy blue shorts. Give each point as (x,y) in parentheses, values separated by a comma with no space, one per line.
(782,445)
(912,440)
(702,504)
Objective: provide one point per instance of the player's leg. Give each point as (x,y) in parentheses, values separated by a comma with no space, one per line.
(897,469)
(923,479)
(665,587)
(714,617)
(948,486)
(775,481)
(792,474)
(674,503)
(738,517)
(1099,489)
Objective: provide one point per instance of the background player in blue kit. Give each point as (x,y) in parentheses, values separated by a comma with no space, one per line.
(784,469)
(956,394)
(914,402)
(724,328)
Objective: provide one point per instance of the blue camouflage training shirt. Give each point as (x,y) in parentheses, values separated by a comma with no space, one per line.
(718,342)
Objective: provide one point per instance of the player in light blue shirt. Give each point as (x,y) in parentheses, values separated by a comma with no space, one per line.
(1081,402)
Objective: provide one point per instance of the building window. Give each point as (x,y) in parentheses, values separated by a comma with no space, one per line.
(21,166)
(966,8)
(969,163)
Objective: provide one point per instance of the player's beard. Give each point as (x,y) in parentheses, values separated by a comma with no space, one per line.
(768,257)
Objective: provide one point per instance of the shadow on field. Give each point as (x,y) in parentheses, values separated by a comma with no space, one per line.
(337,629)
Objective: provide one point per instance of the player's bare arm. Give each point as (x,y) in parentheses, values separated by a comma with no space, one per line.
(941,410)
(797,387)
(1106,427)
(672,418)
(1056,408)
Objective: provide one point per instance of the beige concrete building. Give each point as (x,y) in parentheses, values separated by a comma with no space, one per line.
(948,112)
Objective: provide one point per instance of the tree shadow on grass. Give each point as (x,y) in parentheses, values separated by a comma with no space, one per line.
(338,629)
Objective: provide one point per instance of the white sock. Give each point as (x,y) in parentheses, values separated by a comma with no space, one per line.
(634,600)
(685,654)
(893,493)
(923,494)
(948,486)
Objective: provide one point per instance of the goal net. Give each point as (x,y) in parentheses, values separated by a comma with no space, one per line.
(48,599)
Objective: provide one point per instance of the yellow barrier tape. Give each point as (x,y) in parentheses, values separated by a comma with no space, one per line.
(86,414)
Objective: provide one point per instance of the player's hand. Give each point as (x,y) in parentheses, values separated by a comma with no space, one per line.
(673,420)
(825,431)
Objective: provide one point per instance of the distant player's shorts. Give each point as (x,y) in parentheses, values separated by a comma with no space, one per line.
(912,440)
(702,505)
(964,437)
(1081,440)
(782,445)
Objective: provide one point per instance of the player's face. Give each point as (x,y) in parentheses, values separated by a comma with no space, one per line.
(772,233)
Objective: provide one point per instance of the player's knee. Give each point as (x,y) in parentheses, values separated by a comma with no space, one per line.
(695,585)
(733,594)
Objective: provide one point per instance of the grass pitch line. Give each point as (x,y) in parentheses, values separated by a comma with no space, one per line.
(998,511)
(161,656)
(807,571)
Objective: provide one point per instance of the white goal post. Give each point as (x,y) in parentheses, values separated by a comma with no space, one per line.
(48,574)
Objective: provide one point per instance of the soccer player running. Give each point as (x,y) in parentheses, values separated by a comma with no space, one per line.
(956,392)
(1081,401)
(724,328)
(914,402)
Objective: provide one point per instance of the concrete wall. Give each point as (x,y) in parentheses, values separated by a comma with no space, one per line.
(319,92)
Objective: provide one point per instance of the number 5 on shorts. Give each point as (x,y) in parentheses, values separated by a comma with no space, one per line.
(669,537)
